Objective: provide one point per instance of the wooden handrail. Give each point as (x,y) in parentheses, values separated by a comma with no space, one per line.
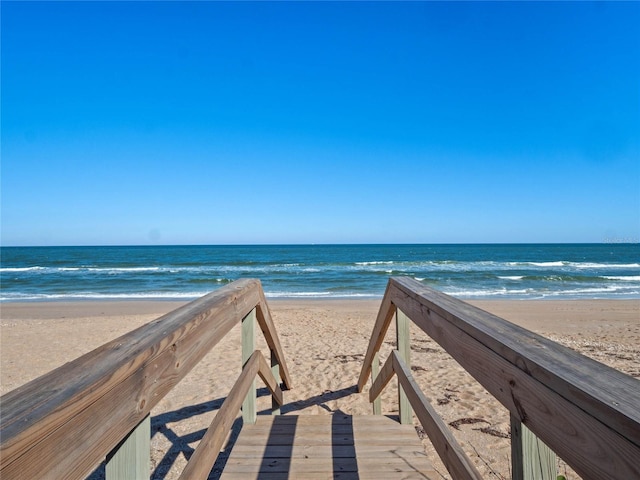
(268,329)
(455,460)
(385,315)
(585,411)
(90,404)
(204,457)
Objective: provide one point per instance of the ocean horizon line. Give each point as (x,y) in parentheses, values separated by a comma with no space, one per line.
(623,241)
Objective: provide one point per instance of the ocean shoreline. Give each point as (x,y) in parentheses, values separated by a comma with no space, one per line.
(566,271)
(63,308)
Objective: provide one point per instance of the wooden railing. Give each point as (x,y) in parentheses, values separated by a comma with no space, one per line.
(586,412)
(65,423)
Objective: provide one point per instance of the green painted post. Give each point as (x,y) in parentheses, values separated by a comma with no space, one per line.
(248,347)
(132,457)
(531,459)
(375,371)
(403,336)
(275,369)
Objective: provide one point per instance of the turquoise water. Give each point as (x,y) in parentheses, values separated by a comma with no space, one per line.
(320,271)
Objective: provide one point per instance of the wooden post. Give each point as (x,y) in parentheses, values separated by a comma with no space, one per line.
(248,347)
(531,459)
(403,336)
(375,370)
(275,369)
(131,458)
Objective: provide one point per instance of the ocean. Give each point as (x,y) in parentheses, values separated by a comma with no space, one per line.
(518,271)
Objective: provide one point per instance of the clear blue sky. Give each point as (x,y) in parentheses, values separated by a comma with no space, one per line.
(330,122)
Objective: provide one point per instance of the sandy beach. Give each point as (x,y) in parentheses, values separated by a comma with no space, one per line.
(325,342)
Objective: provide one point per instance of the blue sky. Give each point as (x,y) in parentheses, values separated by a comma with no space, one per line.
(328,122)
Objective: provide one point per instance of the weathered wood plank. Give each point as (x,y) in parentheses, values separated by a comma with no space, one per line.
(265,321)
(302,466)
(202,460)
(563,406)
(248,347)
(91,403)
(563,370)
(321,429)
(385,315)
(319,451)
(452,455)
(275,370)
(375,371)
(328,419)
(432,474)
(131,459)
(309,439)
(450,452)
(266,373)
(309,447)
(530,458)
(382,380)
(403,336)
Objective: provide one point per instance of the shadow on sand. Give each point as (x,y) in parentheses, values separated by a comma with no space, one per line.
(180,444)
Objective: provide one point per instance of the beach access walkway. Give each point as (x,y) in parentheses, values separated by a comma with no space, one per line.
(323,447)
(96,409)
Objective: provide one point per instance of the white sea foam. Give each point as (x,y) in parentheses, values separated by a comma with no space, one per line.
(123,269)
(83,269)
(590,291)
(627,278)
(605,265)
(317,295)
(375,263)
(564,263)
(511,277)
(547,264)
(21,269)
(456,292)
(102,296)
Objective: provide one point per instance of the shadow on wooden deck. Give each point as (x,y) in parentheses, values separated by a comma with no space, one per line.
(180,443)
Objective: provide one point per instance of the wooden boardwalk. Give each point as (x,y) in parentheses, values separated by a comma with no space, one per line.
(99,405)
(337,446)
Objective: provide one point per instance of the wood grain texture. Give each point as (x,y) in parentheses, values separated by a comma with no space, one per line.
(131,459)
(530,458)
(382,379)
(271,382)
(90,404)
(585,411)
(452,455)
(375,371)
(248,335)
(202,460)
(403,341)
(565,370)
(329,447)
(265,322)
(275,370)
(385,315)
(450,452)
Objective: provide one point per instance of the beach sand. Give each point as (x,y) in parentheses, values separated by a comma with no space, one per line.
(324,342)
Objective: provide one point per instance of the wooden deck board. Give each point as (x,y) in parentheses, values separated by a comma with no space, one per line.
(327,447)
(328,476)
